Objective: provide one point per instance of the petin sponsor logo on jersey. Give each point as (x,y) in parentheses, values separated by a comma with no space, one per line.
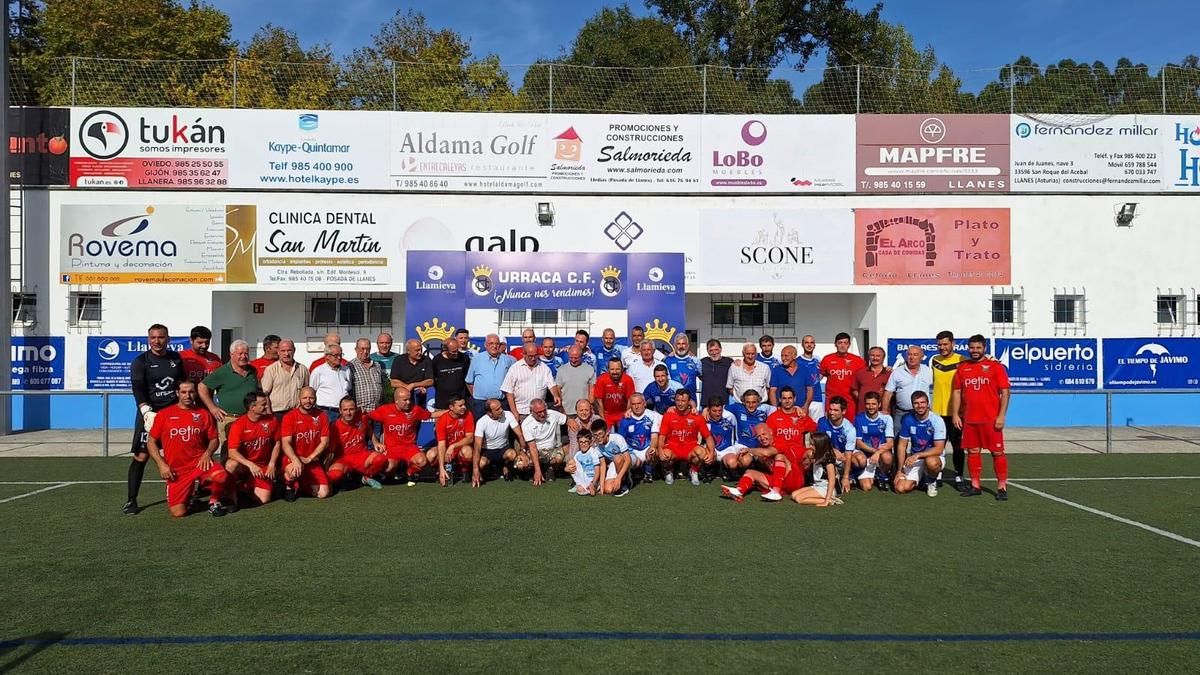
(778,251)
(1187,138)
(119,243)
(1050,358)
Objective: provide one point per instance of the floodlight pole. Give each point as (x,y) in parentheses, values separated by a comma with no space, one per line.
(5,239)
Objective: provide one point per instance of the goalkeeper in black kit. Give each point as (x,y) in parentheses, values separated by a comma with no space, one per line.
(155,375)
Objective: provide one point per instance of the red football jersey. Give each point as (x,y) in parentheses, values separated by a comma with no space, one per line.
(681,430)
(198,367)
(183,434)
(305,429)
(260,365)
(453,429)
(789,433)
(351,438)
(399,428)
(254,440)
(839,372)
(980,383)
(614,396)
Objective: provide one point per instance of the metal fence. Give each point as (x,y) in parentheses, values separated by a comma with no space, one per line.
(489,86)
(77,442)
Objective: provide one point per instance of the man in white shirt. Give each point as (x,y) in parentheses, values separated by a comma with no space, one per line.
(641,369)
(528,380)
(905,381)
(492,444)
(637,336)
(332,382)
(543,441)
(749,373)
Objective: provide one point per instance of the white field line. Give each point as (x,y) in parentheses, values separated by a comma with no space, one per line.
(30,494)
(1110,516)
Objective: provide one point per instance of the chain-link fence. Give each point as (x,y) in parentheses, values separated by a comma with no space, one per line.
(553,87)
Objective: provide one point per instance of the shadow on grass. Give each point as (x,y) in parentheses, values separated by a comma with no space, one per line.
(22,649)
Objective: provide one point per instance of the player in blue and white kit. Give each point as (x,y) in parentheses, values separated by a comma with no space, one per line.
(921,448)
(639,428)
(549,356)
(750,413)
(660,394)
(808,361)
(583,467)
(581,340)
(872,456)
(841,434)
(766,351)
(724,428)
(614,460)
(682,366)
(608,350)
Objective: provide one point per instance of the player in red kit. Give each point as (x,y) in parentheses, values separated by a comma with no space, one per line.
(305,436)
(978,406)
(683,436)
(612,392)
(783,449)
(401,421)
(455,434)
(348,447)
(182,442)
(198,362)
(838,369)
(254,448)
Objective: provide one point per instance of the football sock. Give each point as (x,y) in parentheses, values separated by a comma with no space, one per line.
(134,481)
(975,464)
(374,464)
(218,486)
(775,480)
(413,469)
(1000,466)
(745,485)
(336,474)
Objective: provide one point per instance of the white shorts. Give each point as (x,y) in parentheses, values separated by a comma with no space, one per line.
(731,450)
(821,486)
(866,472)
(816,410)
(914,472)
(639,456)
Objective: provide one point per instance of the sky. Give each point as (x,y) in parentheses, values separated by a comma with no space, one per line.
(966,34)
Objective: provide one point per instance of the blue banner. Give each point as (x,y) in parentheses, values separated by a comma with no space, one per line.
(656,298)
(109,358)
(1151,363)
(38,363)
(546,280)
(898,347)
(434,305)
(1050,363)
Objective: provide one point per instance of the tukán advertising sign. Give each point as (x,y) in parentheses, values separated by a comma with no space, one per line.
(1050,363)
(37,145)
(897,348)
(38,362)
(1151,363)
(470,152)
(109,359)
(757,247)
(777,153)
(932,153)
(308,242)
(624,153)
(932,246)
(1057,153)
(142,244)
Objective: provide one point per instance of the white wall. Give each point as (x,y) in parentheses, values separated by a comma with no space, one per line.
(1058,242)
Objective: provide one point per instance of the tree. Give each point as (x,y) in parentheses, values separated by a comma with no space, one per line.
(433,70)
(886,73)
(276,71)
(1072,88)
(758,35)
(186,43)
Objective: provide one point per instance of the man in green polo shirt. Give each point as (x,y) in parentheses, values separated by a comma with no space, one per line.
(229,384)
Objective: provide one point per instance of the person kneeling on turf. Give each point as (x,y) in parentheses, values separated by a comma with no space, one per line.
(493,445)
(254,449)
(349,452)
(584,464)
(785,476)
(181,443)
(683,436)
(543,451)
(822,459)
(615,459)
(922,446)
(305,436)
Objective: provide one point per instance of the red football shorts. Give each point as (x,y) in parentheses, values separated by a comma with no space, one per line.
(982,436)
(792,481)
(680,454)
(355,461)
(310,474)
(180,490)
(403,454)
(246,482)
